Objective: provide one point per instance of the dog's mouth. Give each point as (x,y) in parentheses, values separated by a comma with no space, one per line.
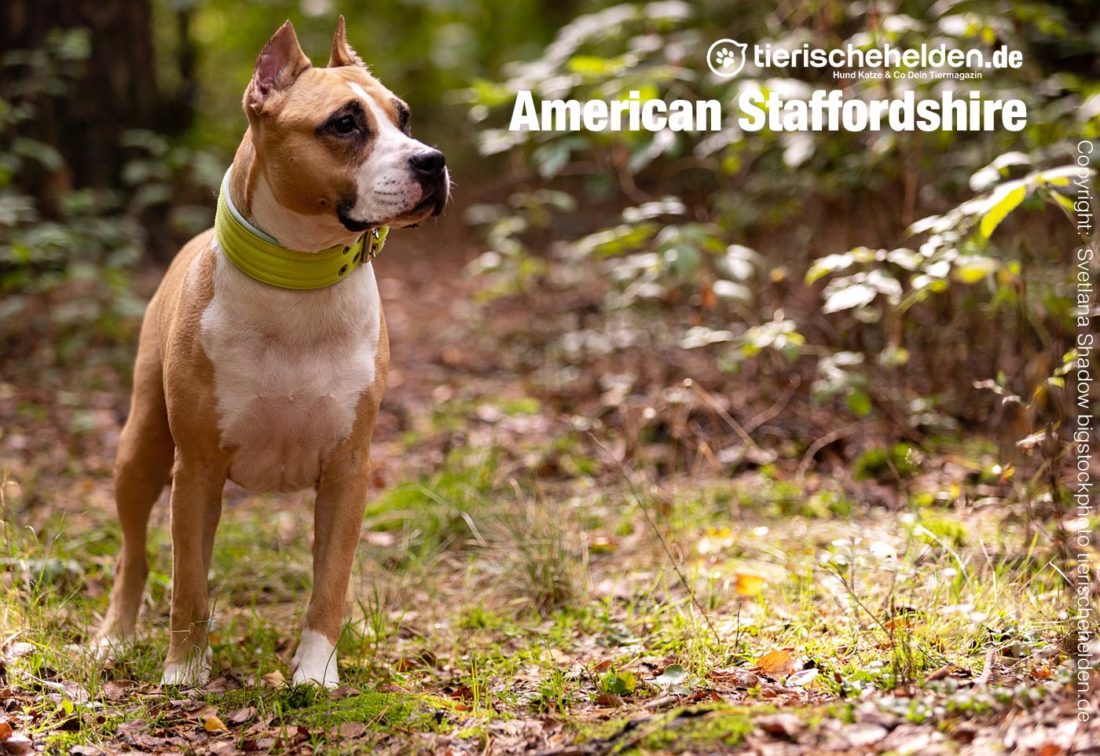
(343,213)
(434,200)
(430,205)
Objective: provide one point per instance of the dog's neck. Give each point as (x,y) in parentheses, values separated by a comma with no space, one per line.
(254,199)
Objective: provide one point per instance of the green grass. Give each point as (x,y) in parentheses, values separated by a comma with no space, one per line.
(482,597)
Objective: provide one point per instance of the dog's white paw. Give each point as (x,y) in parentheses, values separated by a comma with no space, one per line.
(315,661)
(192,673)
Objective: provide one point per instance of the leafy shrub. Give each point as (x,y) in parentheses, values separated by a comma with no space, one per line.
(905,333)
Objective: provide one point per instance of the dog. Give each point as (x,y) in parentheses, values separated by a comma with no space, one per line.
(263,354)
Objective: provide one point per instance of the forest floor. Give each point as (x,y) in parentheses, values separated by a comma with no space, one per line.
(545,573)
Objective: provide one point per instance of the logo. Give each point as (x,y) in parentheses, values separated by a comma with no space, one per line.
(726,57)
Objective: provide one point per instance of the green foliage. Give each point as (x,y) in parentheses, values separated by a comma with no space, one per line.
(67,254)
(900,460)
(890,315)
(618,682)
(423,51)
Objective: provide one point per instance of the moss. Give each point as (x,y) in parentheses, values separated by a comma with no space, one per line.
(679,730)
(371,708)
(713,728)
(943,529)
(900,459)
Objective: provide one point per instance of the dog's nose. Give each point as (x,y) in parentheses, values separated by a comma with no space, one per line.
(428,163)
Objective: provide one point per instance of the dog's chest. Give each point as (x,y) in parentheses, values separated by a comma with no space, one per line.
(289,370)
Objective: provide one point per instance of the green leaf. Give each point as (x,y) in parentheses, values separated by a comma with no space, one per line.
(619,683)
(859,403)
(974,268)
(591,65)
(674,674)
(1006,198)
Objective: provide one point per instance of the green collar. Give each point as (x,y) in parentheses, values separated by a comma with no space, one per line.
(260,256)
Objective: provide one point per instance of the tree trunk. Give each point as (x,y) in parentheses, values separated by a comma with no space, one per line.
(116,90)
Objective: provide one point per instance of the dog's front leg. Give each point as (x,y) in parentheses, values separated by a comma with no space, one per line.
(338,514)
(196,508)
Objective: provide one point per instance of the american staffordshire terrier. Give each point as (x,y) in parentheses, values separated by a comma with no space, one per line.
(263,354)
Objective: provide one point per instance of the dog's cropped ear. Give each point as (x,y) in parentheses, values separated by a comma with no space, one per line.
(342,54)
(280,64)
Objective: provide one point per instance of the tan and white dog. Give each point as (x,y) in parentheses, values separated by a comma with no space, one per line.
(276,388)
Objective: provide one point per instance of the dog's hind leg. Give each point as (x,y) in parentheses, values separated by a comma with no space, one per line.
(142,469)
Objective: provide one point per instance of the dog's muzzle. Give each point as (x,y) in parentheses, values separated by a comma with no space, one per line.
(430,169)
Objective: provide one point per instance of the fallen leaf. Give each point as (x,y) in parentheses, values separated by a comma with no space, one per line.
(747,584)
(352,730)
(18,650)
(781,725)
(799,679)
(220,685)
(274,679)
(939,674)
(778,663)
(463,692)
(5,731)
(674,674)
(609,699)
(18,745)
(213,724)
(240,716)
(859,735)
(86,750)
(734,677)
(116,690)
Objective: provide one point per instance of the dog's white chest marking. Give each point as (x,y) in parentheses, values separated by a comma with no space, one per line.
(289,369)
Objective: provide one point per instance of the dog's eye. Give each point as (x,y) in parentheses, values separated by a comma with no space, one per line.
(344,125)
(403,120)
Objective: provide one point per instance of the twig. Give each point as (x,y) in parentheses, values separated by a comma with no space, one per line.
(816,446)
(987,668)
(777,406)
(660,537)
(726,416)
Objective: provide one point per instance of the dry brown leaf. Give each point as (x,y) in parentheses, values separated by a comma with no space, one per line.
(116,690)
(778,663)
(240,716)
(18,745)
(782,725)
(274,679)
(864,734)
(5,731)
(213,724)
(733,677)
(344,691)
(352,730)
(609,700)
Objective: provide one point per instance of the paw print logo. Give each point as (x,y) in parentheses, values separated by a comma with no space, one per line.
(726,57)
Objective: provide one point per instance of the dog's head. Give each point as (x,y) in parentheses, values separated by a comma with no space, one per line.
(334,141)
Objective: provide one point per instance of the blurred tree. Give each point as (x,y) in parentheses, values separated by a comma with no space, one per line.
(116,86)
